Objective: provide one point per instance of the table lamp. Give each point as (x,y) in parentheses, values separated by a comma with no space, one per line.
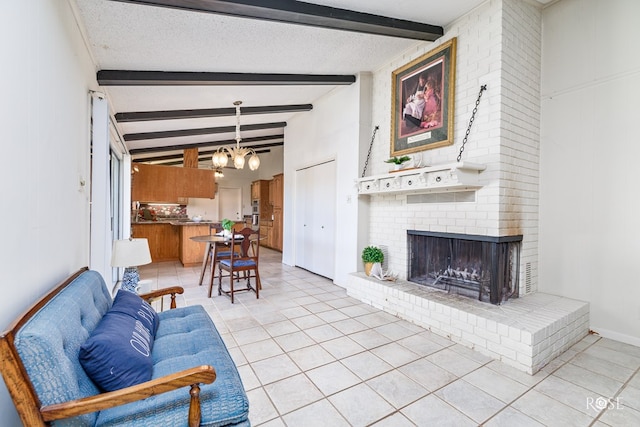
(130,253)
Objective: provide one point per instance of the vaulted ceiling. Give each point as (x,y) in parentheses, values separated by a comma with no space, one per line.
(172,69)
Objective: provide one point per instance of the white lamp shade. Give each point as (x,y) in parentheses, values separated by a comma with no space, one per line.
(254,162)
(130,253)
(219,159)
(238,161)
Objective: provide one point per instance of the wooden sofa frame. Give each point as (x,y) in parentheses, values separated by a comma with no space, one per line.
(29,407)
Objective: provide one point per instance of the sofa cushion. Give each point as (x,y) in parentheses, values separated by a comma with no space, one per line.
(186,338)
(118,352)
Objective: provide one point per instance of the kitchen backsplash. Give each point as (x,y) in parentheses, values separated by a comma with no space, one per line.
(159,211)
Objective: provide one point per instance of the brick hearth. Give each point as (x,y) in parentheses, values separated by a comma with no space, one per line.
(526,332)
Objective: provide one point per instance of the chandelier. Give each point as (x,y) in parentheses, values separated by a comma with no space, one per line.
(236,153)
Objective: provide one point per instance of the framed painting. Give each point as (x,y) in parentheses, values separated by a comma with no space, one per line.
(422,101)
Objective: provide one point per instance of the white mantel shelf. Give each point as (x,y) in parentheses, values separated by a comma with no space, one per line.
(460,176)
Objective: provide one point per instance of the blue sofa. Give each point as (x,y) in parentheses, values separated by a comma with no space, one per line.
(42,371)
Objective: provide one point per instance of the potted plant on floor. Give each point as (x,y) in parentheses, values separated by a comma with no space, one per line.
(370,255)
(398,161)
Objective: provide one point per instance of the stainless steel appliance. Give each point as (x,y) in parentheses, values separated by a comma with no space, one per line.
(255,219)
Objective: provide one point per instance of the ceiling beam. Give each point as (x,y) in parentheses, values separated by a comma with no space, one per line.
(297,12)
(142,116)
(200,131)
(192,78)
(207,144)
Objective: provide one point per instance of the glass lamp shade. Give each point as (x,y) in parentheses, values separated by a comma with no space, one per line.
(238,161)
(219,159)
(254,162)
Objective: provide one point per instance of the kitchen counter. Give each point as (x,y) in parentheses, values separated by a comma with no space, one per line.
(176,222)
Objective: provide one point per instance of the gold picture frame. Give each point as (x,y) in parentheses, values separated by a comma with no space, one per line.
(423,101)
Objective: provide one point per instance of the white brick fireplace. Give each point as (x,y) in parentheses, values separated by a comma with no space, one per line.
(502,199)
(526,333)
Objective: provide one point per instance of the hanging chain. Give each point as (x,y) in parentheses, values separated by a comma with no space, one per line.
(473,115)
(373,137)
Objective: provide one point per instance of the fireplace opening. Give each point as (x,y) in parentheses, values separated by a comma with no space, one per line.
(480,267)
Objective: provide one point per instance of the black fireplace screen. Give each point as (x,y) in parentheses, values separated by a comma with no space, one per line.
(481,267)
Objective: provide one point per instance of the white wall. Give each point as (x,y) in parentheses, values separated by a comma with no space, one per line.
(45,79)
(271,164)
(336,128)
(589,204)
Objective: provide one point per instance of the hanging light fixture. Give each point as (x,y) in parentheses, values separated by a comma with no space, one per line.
(218,173)
(237,153)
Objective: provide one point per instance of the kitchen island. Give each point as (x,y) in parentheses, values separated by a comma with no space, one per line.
(170,239)
(191,253)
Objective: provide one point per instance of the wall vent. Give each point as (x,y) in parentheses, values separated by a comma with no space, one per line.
(527,277)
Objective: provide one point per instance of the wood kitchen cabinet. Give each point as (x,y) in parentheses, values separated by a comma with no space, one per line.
(277,202)
(260,192)
(266,233)
(191,253)
(277,193)
(271,226)
(156,183)
(162,237)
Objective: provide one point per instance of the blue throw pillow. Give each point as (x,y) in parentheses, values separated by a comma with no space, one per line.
(129,303)
(118,352)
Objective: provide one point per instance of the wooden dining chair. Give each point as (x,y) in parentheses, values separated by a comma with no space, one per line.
(217,252)
(246,262)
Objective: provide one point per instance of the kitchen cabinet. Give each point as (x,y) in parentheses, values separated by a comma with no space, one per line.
(162,237)
(266,233)
(255,190)
(271,215)
(277,193)
(276,230)
(157,183)
(260,192)
(277,199)
(191,253)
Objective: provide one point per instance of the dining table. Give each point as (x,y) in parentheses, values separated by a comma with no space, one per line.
(211,240)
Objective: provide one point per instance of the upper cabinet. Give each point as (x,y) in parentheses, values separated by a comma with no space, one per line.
(277,194)
(260,191)
(155,183)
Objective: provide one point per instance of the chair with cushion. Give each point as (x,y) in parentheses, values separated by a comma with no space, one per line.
(217,251)
(245,262)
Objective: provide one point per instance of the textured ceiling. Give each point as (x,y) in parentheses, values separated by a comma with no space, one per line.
(125,36)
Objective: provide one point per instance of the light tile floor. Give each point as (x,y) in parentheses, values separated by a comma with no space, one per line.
(309,355)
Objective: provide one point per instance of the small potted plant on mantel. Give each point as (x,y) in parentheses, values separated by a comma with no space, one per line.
(370,255)
(398,161)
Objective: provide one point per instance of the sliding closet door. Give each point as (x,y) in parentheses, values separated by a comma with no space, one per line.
(316,218)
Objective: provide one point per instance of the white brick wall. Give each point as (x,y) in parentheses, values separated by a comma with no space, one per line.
(527,333)
(498,44)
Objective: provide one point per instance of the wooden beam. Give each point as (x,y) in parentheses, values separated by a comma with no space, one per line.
(205,144)
(190,158)
(199,131)
(188,78)
(302,13)
(141,116)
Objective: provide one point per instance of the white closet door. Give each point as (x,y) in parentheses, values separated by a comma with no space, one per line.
(316,218)
(324,218)
(300,224)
